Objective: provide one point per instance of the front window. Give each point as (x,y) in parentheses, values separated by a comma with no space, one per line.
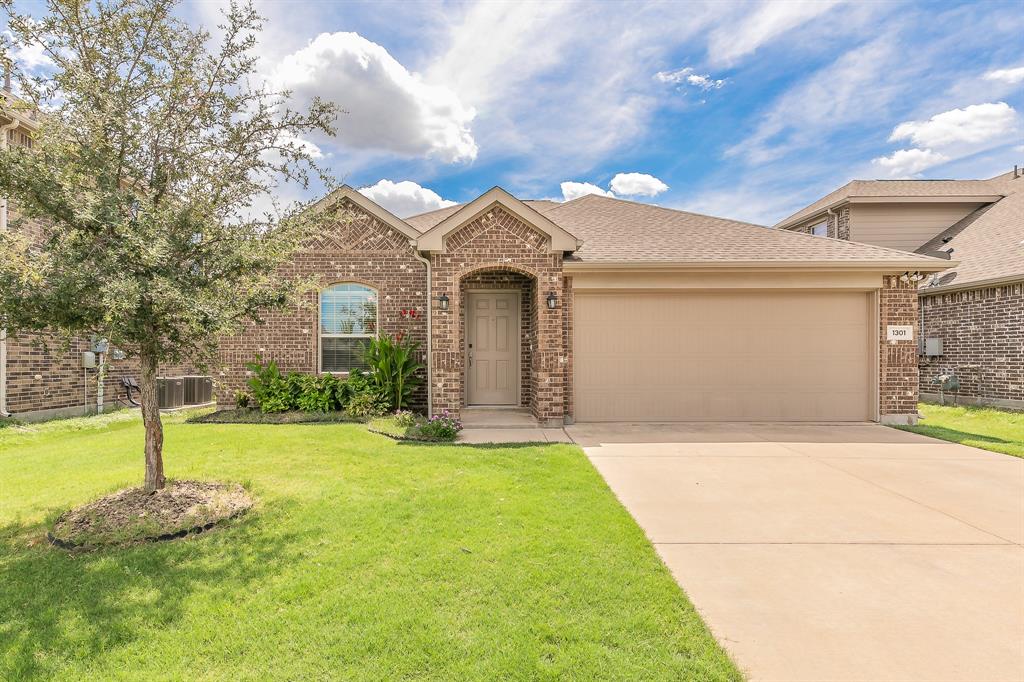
(820,230)
(348,319)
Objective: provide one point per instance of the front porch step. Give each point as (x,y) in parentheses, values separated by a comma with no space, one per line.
(497,418)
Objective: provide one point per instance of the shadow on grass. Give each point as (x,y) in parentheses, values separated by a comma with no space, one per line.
(957,436)
(57,605)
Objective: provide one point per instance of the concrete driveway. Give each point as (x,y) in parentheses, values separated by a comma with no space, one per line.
(842,552)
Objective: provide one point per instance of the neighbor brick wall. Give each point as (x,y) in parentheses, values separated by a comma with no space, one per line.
(357,248)
(44,372)
(499,242)
(982,332)
(838,224)
(898,372)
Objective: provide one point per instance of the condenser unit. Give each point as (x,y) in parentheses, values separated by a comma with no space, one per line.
(198,390)
(170,392)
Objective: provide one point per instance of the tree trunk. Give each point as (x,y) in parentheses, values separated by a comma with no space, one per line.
(151,419)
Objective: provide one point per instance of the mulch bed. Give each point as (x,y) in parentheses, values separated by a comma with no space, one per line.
(248,415)
(133,515)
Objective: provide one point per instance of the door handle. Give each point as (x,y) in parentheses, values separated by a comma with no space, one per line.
(470,358)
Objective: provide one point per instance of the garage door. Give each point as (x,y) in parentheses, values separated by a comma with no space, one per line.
(780,356)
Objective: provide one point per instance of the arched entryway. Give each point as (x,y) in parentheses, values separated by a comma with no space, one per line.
(498,334)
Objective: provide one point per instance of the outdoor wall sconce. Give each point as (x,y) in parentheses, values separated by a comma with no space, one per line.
(552,301)
(442,301)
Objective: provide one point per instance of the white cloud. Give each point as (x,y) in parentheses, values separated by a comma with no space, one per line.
(404,198)
(908,162)
(575,190)
(734,40)
(688,75)
(1009,76)
(388,107)
(636,184)
(976,124)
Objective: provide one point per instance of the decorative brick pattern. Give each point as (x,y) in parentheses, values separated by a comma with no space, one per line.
(982,332)
(498,242)
(898,373)
(359,248)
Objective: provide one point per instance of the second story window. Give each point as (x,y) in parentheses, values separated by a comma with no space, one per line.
(820,230)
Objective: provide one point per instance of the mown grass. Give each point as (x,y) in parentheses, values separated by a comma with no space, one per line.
(980,427)
(364,559)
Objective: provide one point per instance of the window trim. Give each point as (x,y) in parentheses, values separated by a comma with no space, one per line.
(319,325)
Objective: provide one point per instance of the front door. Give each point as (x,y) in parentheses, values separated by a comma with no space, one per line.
(492,348)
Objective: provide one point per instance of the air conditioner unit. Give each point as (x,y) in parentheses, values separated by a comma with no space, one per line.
(198,390)
(170,392)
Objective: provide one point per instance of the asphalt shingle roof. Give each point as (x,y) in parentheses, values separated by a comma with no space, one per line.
(903,188)
(988,243)
(614,230)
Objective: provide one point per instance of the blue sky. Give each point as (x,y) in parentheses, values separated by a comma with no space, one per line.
(744,110)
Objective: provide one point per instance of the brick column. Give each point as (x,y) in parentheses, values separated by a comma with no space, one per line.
(897,371)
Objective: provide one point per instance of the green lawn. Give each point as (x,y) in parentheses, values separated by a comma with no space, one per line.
(364,560)
(996,430)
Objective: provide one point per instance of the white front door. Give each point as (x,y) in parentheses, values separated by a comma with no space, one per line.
(492,348)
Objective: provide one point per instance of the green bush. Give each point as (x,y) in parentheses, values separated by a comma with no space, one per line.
(394,368)
(318,394)
(366,405)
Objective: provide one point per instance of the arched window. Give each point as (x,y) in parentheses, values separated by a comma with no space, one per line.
(348,319)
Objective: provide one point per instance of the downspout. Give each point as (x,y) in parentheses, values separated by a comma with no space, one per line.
(835,217)
(430,361)
(4,412)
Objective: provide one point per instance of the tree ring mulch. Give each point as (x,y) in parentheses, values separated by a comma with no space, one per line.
(128,516)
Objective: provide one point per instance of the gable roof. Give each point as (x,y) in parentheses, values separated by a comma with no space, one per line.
(615,231)
(980,191)
(368,205)
(425,221)
(988,243)
(433,238)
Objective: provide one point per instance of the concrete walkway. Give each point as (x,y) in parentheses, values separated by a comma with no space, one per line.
(844,552)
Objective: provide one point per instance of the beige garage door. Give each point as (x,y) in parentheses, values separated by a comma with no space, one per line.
(779,356)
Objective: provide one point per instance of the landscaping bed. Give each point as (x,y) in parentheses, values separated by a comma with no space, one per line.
(405,425)
(248,415)
(134,515)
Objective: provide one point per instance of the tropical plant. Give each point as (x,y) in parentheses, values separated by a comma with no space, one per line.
(394,369)
(156,144)
(319,394)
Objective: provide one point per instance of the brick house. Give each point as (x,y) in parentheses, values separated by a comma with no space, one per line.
(971,317)
(600,309)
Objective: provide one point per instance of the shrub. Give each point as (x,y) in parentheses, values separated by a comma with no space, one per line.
(442,427)
(242,399)
(367,404)
(405,418)
(318,394)
(393,368)
(265,384)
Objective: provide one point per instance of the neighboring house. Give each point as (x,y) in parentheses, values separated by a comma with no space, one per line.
(42,376)
(971,316)
(600,309)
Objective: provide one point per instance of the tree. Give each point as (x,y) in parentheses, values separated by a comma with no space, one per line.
(153,153)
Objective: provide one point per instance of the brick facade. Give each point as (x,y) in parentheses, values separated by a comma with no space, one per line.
(897,371)
(358,248)
(982,332)
(498,242)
